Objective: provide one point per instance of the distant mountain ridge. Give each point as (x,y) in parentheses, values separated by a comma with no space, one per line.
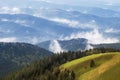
(66,45)
(110,45)
(26,27)
(29,28)
(74,45)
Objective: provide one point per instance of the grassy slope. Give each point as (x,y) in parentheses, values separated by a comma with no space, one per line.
(106,66)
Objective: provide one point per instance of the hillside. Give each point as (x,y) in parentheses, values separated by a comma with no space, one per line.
(96,67)
(48,68)
(16,55)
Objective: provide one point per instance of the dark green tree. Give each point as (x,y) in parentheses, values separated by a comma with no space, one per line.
(92,63)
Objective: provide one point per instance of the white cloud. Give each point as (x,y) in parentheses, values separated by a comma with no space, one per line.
(55,47)
(8,39)
(16,10)
(94,37)
(5,8)
(34,40)
(71,23)
(89,47)
(76,24)
(8,10)
(111,30)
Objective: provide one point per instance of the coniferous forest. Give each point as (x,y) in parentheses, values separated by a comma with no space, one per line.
(48,68)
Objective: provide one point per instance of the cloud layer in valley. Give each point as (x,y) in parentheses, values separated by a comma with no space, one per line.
(8,10)
(94,37)
(55,47)
(8,39)
(111,30)
(75,23)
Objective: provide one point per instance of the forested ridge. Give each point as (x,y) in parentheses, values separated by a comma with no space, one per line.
(48,68)
(15,55)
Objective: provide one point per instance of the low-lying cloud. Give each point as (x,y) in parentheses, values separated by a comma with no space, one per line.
(8,10)
(34,40)
(55,47)
(8,39)
(94,37)
(111,30)
(75,23)
(88,47)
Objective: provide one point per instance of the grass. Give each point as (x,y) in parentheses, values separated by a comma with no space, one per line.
(113,72)
(103,69)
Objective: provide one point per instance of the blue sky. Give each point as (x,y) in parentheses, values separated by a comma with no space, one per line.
(68,2)
(84,1)
(72,1)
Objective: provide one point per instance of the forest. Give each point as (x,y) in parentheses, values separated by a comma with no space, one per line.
(48,68)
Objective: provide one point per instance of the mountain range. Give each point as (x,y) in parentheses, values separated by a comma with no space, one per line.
(65,45)
(31,29)
(26,28)
(74,45)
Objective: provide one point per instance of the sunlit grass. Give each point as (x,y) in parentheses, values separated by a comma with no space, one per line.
(103,62)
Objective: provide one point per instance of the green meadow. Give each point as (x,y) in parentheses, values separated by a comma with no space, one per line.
(105,67)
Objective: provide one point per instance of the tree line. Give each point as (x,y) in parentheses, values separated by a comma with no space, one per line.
(48,68)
